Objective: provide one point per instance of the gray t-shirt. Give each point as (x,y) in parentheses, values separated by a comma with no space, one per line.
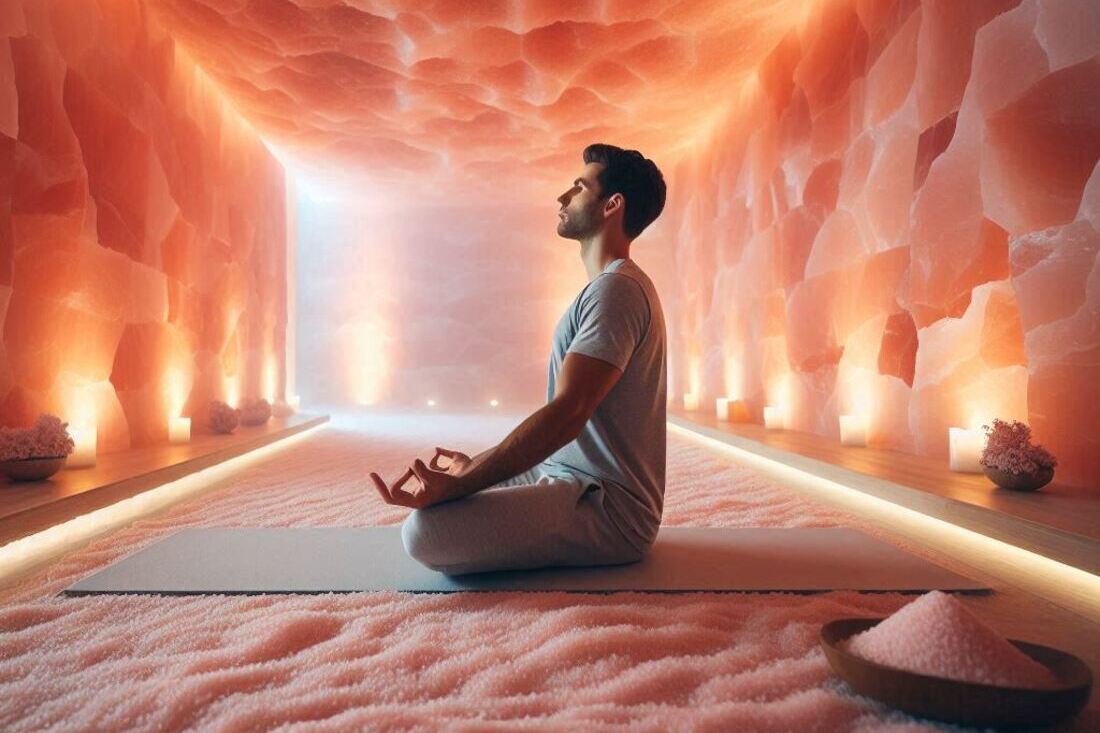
(617,318)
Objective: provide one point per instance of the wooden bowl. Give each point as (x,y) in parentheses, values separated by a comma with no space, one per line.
(32,469)
(968,703)
(1019,482)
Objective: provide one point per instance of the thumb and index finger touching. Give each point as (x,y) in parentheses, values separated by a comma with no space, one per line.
(444,453)
(385,491)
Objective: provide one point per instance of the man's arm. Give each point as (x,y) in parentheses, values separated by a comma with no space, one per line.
(582,384)
(545,431)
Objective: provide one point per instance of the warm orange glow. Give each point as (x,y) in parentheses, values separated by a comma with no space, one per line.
(179,430)
(270,379)
(80,407)
(232,391)
(113,319)
(734,377)
(177,388)
(1071,587)
(874,214)
(694,381)
(965,448)
(84,447)
(446,106)
(999,393)
(24,554)
(779,394)
(857,392)
(367,344)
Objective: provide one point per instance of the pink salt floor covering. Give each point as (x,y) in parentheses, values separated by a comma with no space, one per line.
(388,661)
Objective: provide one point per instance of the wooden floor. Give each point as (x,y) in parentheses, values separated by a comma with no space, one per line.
(1059,522)
(26,508)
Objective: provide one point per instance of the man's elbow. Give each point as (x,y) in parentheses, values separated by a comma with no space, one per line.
(572,416)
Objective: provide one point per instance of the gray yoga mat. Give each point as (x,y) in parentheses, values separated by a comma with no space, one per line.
(346,560)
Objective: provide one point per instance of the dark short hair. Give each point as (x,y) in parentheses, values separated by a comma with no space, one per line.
(634,176)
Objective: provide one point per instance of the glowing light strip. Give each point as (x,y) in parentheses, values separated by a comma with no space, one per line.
(28,552)
(1069,587)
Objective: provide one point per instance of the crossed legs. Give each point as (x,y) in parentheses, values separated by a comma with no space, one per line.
(530,521)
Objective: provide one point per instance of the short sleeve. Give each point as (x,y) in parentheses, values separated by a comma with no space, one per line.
(613,316)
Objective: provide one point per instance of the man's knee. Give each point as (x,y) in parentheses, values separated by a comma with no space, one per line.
(418,540)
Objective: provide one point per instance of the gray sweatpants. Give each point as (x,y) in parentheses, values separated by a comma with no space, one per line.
(532,520)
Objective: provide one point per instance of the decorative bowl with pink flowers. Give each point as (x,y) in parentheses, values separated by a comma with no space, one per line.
(1011,461)
(37,452)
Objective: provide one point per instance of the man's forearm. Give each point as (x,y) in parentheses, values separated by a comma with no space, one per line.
(536,438)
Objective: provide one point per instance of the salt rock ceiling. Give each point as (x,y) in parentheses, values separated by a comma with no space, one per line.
(476,93)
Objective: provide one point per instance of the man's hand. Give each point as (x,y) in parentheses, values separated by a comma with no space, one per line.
(459,461)
(395,494)
(438,484)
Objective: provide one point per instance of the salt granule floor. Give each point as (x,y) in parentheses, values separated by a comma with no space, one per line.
(478,661)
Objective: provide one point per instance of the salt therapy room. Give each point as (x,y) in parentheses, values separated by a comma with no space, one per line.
(549,365)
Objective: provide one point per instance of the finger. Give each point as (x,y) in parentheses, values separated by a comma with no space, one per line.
(380,485)
(401,482)
(403,496)
(448,453)
(435,460)
(420,470)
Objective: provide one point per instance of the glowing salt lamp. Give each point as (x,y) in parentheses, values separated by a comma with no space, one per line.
(773,417)
(965,449)
(729,409)
(853,430)
(83,455)
(179,430)
(270,377)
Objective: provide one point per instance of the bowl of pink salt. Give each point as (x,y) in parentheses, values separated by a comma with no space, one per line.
(935,659)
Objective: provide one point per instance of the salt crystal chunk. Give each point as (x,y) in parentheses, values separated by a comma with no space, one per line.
(937,635)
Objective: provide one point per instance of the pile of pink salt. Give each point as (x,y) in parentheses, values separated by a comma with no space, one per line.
(939,636)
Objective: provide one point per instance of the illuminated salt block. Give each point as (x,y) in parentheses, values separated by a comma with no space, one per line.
(722,408)
(853,430)
(691,401)
(773,418)
(965,449)
(179,430)
(83,455)
(730,410)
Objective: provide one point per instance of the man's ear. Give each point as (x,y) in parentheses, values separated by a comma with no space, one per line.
(614,201)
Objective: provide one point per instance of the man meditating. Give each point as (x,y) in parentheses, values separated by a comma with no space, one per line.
(581,481)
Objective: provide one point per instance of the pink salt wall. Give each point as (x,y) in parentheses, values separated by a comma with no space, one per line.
(401,302)
(142,226)
(901,213)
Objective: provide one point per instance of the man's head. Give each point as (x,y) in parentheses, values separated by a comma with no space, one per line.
(617,188)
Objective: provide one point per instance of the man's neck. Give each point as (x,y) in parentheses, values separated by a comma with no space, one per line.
(597,254)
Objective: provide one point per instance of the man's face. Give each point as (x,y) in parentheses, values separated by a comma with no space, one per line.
(580,215)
